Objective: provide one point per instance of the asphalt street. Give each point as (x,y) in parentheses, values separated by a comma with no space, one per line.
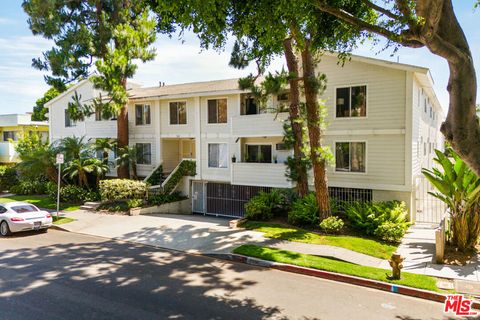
(61,275)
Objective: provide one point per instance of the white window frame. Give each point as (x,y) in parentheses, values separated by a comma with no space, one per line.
(143,124)
(208,155)
(186,113)
(350,156)
(350,107)
(216,123)
(151,154)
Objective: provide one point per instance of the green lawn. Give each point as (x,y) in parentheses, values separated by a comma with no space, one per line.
(61,220)
(367,246)
(311,261)
(41,201)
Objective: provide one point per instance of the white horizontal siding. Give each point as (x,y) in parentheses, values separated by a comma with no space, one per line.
(265,124)
(260,174)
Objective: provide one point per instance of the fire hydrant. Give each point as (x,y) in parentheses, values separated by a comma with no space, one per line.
(396,264)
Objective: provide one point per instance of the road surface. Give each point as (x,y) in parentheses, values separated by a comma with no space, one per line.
(63,275)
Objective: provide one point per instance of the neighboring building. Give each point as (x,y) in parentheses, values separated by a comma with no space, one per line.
(378,129)
(12,128)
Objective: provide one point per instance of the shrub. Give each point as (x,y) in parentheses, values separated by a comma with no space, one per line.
(122,189)
(134,203)
(29,187)
(162,198)
(186,168)
(157,177)
(72,193)
(304,211)
(332,225)
(8,177)
(390,231)
(266,205)
(115,206)
(368,216)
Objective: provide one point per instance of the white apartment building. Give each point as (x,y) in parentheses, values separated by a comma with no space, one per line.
(383,121)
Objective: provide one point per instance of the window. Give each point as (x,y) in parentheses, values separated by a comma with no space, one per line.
(217,111)
(249,105)
(10,135)
(281,147)
(68,121)
(352,102)
(178,112)
(431,112)
(217,155)
(3,209)
(24,209)
(144,153)
(142,114)
(259,153)
(350,156)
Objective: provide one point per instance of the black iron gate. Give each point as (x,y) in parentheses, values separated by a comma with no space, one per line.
(225,199)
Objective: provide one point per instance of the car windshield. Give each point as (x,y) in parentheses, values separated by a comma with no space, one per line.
(24,208)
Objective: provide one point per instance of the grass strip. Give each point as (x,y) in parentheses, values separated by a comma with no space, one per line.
(366,246)
(321,263)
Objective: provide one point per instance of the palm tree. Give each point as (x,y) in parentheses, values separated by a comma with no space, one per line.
(103,145)
(80,168)
(127,156)
(40,161)
(73,147)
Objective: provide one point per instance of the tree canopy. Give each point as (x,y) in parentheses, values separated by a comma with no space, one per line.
(39,109)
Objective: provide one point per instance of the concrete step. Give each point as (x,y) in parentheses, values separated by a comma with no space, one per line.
(92,203)
(90,206)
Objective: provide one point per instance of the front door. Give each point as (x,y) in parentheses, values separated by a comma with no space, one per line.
(198,195)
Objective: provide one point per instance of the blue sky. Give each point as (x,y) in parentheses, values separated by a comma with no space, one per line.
(21,85)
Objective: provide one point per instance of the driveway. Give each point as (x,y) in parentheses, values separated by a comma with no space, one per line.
(189,233)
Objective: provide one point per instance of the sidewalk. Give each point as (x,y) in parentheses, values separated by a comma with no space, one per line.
(418,249)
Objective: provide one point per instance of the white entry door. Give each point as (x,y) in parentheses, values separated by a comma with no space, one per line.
(198,196)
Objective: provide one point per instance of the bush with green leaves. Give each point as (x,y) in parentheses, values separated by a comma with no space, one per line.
(368,216)
(71,193)
(8,177)
(266,205)
(134,203)
(186,168)
(122,189)
(29,187)
(156,178)
(304,211)
(390,232)
(163,198)
(332,225)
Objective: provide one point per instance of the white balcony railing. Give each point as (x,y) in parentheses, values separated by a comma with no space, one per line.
(260,174)
(254,125)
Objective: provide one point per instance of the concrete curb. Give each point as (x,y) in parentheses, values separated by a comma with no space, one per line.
(379,285)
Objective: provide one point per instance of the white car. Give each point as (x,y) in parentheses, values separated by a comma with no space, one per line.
(22,216)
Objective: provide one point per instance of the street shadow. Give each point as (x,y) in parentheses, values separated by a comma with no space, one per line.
(111,280)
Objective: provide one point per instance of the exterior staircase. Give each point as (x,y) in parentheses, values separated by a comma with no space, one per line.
(90,206)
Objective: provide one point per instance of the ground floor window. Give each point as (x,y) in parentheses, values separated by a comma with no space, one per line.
(217,155)
(350,156)
(10,135)
(144,153)
(259,153)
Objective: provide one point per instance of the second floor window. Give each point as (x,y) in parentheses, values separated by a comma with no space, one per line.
(142,114)
(350,156)
(217,111)
(217,155)
(10,135)
(249,105)
(68,121)
(351,102)
(259,153)
(178,112)
(144,153)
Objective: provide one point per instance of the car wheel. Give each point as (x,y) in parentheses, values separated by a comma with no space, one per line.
(45,230)
(4,229)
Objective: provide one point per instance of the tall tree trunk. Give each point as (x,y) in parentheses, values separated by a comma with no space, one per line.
(294,115)
(461,127)
(122,136)
(314,132)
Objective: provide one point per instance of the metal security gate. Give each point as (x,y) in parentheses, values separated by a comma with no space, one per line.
(225,199)
(429,208)
(198,196)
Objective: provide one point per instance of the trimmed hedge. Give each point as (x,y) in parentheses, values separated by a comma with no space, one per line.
(72,193)
(157,177)
(186,168)
(8,177)
(122,189)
